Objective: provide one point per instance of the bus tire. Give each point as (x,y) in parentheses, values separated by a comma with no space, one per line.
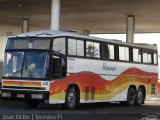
(32,104)
(139,97)
(131,96)
(71,100)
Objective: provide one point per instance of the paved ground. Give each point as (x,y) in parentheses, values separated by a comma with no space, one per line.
(103,111)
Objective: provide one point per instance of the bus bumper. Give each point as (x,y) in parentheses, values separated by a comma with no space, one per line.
(23,95)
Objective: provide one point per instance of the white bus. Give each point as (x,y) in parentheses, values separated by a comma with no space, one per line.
(62,67)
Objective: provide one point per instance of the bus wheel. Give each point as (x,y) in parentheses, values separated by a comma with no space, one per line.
(32,104)
(71,100)
(131,97)
(139,97)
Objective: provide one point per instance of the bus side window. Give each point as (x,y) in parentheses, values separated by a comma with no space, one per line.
(72,46)
(137,55)
(111,52)
(150,57)
(55,67)
(80,48)
(123,53)
(63,68)
(104,51)
(75,47)
(96,50)
(147,56)
(59,45)
(58,67)
(93,49)
(155,58)
(89,49)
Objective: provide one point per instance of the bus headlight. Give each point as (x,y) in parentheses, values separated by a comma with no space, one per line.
(6,94)
(37,96)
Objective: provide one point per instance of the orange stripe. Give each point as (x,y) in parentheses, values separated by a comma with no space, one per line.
(21,83)
(84,79)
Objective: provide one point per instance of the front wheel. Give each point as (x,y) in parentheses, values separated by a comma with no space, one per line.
(140,97)
(131,97)
(71,100)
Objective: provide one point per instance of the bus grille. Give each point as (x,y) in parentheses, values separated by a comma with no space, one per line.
(30,88)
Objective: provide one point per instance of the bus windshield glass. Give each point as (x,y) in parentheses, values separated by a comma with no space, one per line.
(28,43)
(26,64)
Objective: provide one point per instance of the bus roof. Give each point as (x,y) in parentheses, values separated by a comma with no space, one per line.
(60,33)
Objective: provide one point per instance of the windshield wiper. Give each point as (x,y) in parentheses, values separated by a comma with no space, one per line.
(58,53)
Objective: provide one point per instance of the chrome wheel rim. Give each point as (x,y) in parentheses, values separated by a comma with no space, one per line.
(140,96)
(71,99)
(132,96)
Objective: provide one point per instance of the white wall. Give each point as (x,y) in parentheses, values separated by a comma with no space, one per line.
(3,41)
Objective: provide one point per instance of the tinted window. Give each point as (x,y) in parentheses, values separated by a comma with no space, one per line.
(89,49)
(111,51)
(147,56)
(155,58)
(123,53)
(72,46)
(59,45)
(92,49)
(136,55)
(105,51)
(96,50)
(75,47)
(80,48)
(28,43)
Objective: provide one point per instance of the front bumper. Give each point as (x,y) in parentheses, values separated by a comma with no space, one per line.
(27,95)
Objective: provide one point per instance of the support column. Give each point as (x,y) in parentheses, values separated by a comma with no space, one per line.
(86,32)
(55,14)
(130,26)
(25,25)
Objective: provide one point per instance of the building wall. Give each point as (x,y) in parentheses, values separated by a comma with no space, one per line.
(1,70)
(159,75)
(3,41)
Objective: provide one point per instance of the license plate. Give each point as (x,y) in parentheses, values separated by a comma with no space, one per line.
(20,95)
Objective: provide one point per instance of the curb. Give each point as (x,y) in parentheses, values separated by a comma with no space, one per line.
(154,99)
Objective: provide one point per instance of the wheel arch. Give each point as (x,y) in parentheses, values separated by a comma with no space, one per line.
(75,86)
(134,86)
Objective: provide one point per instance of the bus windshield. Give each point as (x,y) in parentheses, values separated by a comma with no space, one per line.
(26,64)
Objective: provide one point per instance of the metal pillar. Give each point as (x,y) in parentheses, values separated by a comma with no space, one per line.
(86,32)
(130,26)
(25,25)
(55,14)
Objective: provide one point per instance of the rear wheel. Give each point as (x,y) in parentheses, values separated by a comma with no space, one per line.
(140,97)
(131,97)
(72,99)
(32,104)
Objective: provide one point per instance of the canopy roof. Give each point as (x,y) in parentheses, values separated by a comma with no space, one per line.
(97,16)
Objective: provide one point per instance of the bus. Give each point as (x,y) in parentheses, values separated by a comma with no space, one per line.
(64,67)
